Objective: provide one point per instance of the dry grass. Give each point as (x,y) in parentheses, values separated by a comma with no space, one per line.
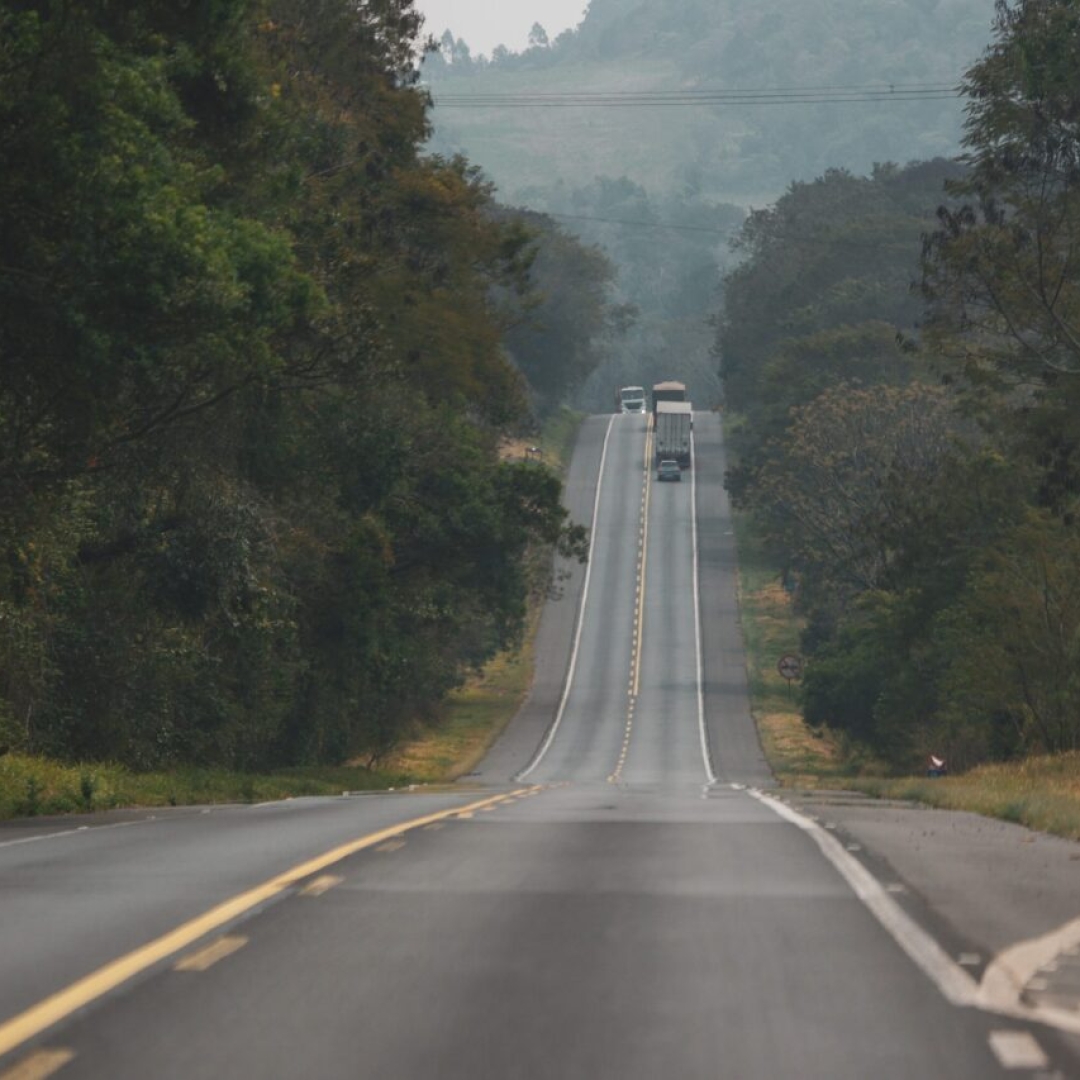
(474,718)
(476,715)
(1041,793)
(31,786)
(798,756)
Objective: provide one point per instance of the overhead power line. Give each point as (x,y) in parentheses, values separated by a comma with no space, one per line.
(726,233)
(733,234)
(812,95)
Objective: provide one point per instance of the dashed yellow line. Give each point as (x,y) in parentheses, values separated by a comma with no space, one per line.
(207,957)
(639,617)
(39,1065)
(323,883)
(391,845)
(38,1018)
(638,632)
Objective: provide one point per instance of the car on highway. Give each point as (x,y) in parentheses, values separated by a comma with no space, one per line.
(668,470)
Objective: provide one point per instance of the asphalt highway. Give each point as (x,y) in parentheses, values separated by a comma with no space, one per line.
(617,892)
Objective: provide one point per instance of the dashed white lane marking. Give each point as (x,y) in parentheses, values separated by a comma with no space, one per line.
(1017,1050)
(549,738)
(38,837)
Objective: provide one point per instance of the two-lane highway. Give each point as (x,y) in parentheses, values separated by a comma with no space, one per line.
(610,913)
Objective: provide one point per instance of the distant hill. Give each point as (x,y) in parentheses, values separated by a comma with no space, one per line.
(732,153)
(662,187)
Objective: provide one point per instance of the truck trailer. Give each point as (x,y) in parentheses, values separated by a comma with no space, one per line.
(667,391)
(671,438)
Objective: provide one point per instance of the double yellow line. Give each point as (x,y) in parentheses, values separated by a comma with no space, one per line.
(640,614)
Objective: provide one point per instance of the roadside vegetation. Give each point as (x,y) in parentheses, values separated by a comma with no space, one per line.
(430,752)
(1041,791)
(901,352)
(260,353)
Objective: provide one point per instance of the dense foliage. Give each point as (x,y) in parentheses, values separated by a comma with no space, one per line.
(252,507)
(913,458)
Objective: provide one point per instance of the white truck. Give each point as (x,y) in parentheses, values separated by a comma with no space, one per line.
(630,399)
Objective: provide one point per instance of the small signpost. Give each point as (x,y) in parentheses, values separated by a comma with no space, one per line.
(790,667)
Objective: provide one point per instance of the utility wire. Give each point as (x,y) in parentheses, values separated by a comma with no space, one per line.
(872,92)
(726,233)
(733,235)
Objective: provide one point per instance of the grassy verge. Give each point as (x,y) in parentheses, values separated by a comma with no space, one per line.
(798,756)
(474,717)
(1041,793)
(31,785)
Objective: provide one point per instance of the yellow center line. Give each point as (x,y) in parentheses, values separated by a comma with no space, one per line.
(644,553)
(638,634)
(51,1010)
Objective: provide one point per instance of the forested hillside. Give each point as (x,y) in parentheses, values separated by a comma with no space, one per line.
(734,152)
(912,454)
(252,505)
(640,130)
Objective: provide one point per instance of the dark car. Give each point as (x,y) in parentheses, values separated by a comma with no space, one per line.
(668,470)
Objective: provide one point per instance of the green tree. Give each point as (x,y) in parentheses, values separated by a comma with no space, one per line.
(1014,645)
(253,507)
(1002,273)
(565,326)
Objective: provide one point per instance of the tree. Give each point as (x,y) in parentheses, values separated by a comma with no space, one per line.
(856,470)
(565,326)
(252,510)
(1014,643)
(1002,272)
(538,38)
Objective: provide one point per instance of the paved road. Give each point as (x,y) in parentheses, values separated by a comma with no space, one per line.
(618,896)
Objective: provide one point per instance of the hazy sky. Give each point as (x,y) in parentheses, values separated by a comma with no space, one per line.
(487,23)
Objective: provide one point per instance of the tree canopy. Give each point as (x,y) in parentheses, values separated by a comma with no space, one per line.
(916,470)
(252,505)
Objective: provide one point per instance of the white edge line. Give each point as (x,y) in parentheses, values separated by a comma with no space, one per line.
(702,730)
(955,984)
(998,993)
(38,837)
(549,738)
